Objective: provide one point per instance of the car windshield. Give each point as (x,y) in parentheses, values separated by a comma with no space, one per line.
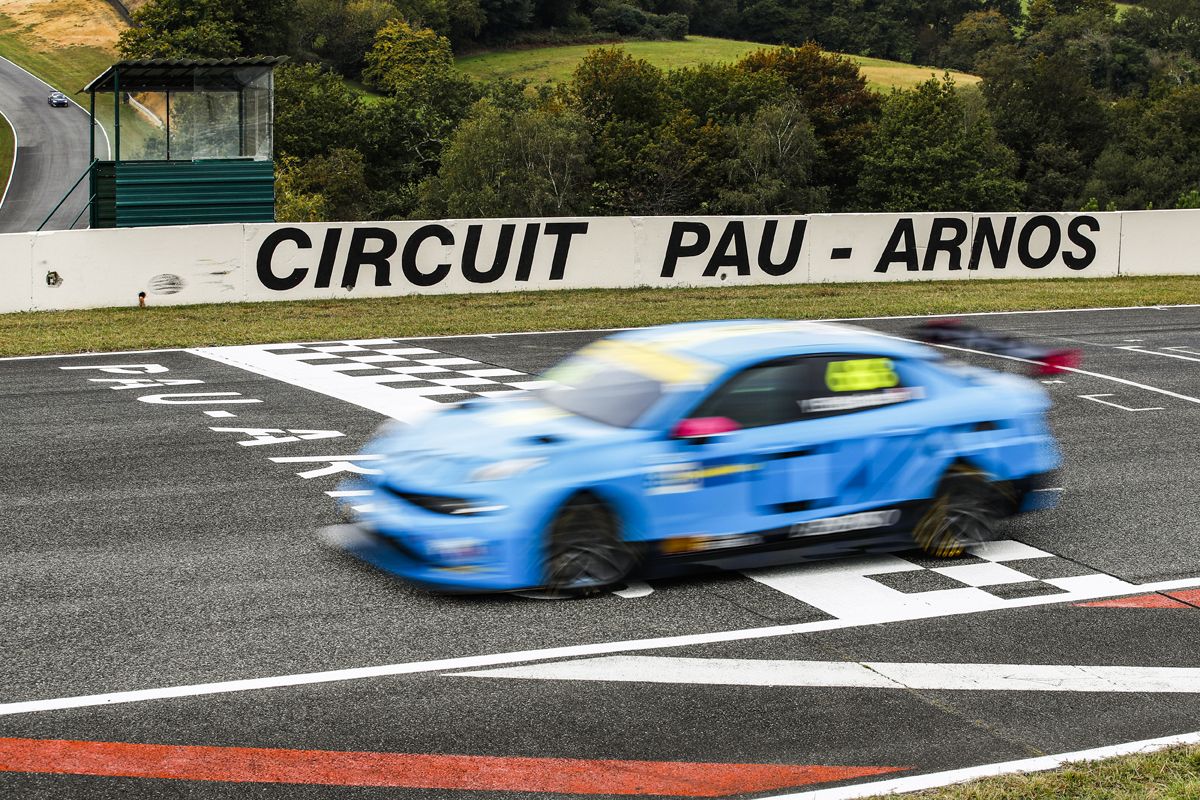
(599,390)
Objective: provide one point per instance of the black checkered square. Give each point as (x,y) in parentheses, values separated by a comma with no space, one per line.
(1030,575)
(404,367)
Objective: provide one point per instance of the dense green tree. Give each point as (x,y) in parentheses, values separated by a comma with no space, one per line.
(770,171)
(609,85)
(1152,160)
(315,111)
(505,17)
(403,56)
(680,169)
(181,29)
(975,33)
(834,95)
(526,163)
(323,189)
(207,29)
(932,151)
(1046,110)
(340,32)
(726,93)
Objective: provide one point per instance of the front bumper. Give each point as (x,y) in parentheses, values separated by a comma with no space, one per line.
(509,564)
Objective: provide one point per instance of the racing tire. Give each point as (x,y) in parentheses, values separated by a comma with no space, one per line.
(964,512)
(585,552)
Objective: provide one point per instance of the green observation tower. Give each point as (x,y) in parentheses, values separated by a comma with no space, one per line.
(193,144)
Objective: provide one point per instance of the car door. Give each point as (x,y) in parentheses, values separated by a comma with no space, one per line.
(709,486)
(864,427)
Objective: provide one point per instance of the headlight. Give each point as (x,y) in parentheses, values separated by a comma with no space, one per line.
(443,504)
(503,470)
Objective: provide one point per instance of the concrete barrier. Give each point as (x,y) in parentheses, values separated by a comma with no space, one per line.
(224,263)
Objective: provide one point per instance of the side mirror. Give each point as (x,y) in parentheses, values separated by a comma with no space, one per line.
(700,428)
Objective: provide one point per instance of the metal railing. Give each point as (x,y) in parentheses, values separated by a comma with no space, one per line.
(74,186)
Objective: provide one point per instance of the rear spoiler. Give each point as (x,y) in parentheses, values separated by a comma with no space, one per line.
(1046,360)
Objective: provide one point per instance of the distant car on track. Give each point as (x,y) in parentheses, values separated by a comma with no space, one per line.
(58,100)
(705,445)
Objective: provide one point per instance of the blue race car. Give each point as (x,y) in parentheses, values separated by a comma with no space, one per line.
(705,445)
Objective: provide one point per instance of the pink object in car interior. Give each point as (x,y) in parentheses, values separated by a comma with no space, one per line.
(703,426)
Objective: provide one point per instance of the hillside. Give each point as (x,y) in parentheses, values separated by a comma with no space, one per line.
(556,63)
(65,42)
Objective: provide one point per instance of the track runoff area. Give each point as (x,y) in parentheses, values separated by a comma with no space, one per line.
(175,626)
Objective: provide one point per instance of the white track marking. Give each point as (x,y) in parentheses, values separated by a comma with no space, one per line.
(517,657)
(1095,398)
(848,588)
(1144,351)
(853,674)
(373,395)
(937,779)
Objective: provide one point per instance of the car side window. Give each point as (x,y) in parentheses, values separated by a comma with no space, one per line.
(842,384)
(764,394)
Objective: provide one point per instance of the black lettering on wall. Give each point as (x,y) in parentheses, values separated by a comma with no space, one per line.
(333,238)
(564,231)
(408,259)
(528,248)
(470,269)
(794,245)
(676,249)
(359,256)
(940,243)
(1028,258)
(266,252)
(901,248)
(985,234)
(734,235)
(1083,261)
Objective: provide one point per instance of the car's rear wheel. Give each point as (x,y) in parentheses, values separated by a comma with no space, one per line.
(585,552)
(964,512)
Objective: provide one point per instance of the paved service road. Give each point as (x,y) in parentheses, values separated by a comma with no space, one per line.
(52,152)
(174,626)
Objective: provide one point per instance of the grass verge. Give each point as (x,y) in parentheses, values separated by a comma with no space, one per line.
(41,332)
(541,64)
(8,152)
(1171,774)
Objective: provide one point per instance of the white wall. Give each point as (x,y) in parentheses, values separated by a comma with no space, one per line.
(223,263)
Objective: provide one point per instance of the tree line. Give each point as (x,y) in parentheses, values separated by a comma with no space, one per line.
(1078,107)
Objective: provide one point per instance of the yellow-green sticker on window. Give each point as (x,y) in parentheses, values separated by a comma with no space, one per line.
(861,375)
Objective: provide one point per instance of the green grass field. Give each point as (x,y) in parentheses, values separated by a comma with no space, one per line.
(1172,774)
(250,323)
(541,64)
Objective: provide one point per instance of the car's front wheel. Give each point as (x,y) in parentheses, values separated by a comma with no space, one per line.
(584,551)
(964,512)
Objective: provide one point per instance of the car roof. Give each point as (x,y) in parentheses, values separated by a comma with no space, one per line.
(746,341)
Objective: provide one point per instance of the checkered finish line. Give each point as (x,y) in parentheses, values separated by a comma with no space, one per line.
(995,575)
(1007,570)
(417,371)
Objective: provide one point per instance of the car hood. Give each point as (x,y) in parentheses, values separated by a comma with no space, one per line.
(448,445)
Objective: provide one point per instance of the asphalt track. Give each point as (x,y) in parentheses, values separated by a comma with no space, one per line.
(52,152)
(147,553)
